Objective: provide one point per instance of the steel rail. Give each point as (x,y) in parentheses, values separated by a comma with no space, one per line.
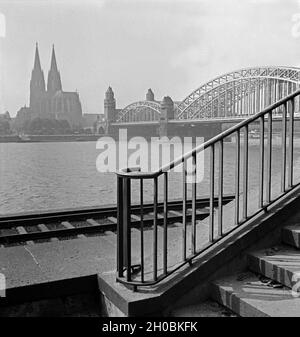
(50,218)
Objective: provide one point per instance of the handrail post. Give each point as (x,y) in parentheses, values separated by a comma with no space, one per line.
(120,234)
(184,207)
(194,196)
(142,228)
(283,160)
(245,173)
(155,230)
(165,237)
(127,226)
(237,177)
(261,162)
(212,193)
(220,191)
(291,143)
(269,160)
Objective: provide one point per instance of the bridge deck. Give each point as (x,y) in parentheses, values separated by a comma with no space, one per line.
(225,119)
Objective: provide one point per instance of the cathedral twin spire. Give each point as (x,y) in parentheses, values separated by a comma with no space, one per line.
(37,82)
(37,75)
(52,101)
(37,78)
(37,63)
(54,81)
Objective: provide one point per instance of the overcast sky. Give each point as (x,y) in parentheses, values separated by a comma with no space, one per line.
(171,46)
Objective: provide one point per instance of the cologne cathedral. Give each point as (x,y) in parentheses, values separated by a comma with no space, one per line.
(51,102)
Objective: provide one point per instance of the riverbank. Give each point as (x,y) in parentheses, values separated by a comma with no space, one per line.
(48,138)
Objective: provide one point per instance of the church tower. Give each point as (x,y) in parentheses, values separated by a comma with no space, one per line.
(109,106)
(150,95)
(37,83)
(54,81)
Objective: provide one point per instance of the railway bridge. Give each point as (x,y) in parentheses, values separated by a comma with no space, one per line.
(206,111)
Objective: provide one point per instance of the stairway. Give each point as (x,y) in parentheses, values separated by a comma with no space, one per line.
(269,287)
(266,288)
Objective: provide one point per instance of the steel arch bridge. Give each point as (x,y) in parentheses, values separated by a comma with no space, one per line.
(142,111)
(239,93)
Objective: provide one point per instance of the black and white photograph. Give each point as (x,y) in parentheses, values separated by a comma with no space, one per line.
(149,161)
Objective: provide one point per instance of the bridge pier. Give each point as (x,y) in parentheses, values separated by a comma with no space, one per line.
(205,130)
(167,112)
(146,130)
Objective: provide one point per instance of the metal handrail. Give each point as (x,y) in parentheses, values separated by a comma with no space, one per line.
(125,177)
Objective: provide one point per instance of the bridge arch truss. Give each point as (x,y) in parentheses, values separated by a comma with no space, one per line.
(140,111)
(240,93)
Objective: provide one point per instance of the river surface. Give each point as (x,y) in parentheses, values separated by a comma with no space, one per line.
(51,176)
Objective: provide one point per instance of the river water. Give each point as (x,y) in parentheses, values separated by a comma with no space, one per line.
(51,176)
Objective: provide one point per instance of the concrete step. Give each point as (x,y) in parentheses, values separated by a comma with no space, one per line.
(247,296)
(291,235)
(208,308)
(281,264)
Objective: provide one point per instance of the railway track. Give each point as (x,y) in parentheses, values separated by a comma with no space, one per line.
(36,228)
